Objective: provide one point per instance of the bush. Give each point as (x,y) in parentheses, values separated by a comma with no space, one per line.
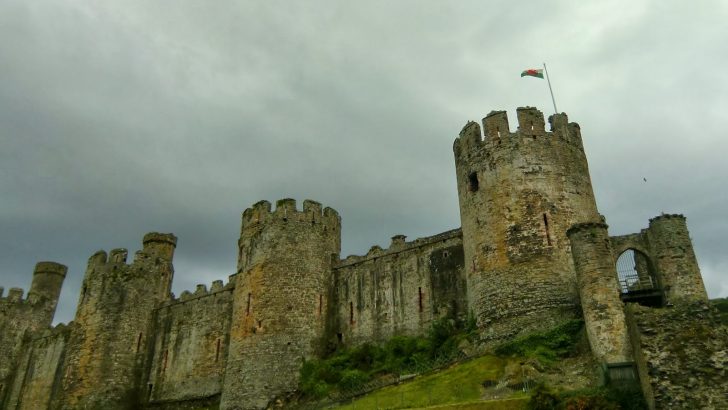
(352,379)
(546,346)
(542,398)
(349,369)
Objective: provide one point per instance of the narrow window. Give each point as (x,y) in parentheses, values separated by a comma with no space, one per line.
(340,337)
(83,294)
(321,304)
(151,386)
(419,291)
(139,342)
(217,350)
(164,362)
(497,129)
(351,313)
(473,181)
(247,307)
(546,226)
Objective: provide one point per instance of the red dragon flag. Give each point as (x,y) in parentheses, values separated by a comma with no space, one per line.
(533,72)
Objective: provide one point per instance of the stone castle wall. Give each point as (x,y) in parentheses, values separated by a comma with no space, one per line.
(39,370)
(681,355)
(190,346)
(399,290)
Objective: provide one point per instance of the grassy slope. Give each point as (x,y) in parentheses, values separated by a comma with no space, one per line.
(459,384)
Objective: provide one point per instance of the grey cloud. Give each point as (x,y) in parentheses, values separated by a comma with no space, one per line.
(123,118)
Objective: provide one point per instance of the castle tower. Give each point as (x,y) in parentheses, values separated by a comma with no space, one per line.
(280,299)
(519,192)
(20,317)
(107,348)
(603,311)
(47,281)
(675,260)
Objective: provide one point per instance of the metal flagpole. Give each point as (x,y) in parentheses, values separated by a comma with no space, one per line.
(550,90)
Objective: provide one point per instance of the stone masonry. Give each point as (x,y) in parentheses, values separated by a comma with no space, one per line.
(532,252)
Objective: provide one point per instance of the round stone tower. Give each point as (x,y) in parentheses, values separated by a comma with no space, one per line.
(106,353)
(47,281)
(675,259)
(603,310)
(519,193)
(280,299)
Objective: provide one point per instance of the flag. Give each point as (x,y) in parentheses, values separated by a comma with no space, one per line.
(538,72)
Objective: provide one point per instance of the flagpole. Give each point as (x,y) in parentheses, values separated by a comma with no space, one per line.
(550,90)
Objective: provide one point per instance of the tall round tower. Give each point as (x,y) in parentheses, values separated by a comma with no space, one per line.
(280,300)
(47,281)
(519,192)
(675,258)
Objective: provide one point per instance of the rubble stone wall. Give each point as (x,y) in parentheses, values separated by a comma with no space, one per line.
(681,354)
(399,290)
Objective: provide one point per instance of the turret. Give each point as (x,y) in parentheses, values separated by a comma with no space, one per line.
(674,257)
(519,192)
(21,318)
(280,298)
(47,281)
(602,307)
(160,245)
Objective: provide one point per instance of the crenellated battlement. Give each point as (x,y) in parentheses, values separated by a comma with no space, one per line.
(201,291)
(157,247)
(46,286)
(664,217)
(497,138)
(51,268)
(15,295)
(585,226)
(55,330)
(398,245)
(286,211)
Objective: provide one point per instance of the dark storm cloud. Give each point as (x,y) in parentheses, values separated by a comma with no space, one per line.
(125,118)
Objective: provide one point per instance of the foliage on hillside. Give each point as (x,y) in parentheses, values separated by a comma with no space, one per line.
(547,346)
(543,398)
(722,306)
(348,369)
(465,382)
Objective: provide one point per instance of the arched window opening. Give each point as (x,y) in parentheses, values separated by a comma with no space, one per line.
(634,272)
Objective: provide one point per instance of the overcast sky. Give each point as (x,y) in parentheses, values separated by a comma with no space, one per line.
(121,118)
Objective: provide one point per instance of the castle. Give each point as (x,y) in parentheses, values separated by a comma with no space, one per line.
(533,251)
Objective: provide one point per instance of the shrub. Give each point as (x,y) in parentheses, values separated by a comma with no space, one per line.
(348,369)
(352,379)
(542,398)
(546,346)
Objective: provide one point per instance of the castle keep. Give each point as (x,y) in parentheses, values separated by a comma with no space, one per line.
(532,251)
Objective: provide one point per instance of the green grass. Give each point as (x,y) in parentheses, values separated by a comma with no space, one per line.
(547,346)
(348,370)
(461,384)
